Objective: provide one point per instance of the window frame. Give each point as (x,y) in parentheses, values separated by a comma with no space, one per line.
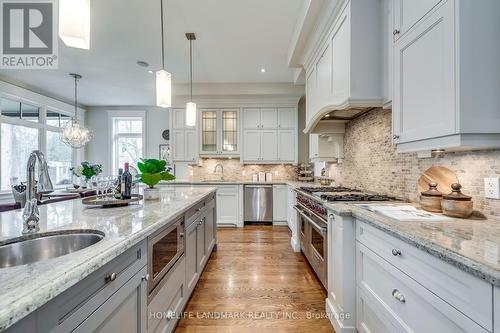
(41,126)
(124,114)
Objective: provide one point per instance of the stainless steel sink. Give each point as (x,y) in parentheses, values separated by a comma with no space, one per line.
(38,247)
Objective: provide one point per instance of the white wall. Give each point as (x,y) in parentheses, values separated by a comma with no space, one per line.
(98,150)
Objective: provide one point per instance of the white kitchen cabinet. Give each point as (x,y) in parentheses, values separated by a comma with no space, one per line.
(343,70)
(280,207)
(326,147)
(293,219)
(442,72)
(496,308)
(270,135)
(184,139)
(228,204)
(408,12)
(286,146)
(219,132)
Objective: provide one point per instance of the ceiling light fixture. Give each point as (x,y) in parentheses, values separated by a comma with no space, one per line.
(191,106)
(163,78)
(73,134)
(150,72)
(263,70)
(74,23)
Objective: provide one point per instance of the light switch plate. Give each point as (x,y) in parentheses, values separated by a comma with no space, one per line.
(492,187)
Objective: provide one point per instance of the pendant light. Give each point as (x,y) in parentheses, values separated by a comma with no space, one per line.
(191,106)
(73,134)
(74,23)
(163,78)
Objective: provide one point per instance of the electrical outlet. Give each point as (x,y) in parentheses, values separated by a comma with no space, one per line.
(492,188)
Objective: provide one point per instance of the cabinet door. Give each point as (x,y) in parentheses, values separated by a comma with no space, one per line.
(200,245)
(192,272)
(210,230)
(191,146)
(313,146)
(408,12)
(269,118)
(178,145)
(227,208)
(251,139)
(324,77)
(279,203)
(178,119)
(424,94)
(286,118)
(209,133)
(251,118)
(341,64)
(269,146)
(229,144)
(286,146)
(125,311)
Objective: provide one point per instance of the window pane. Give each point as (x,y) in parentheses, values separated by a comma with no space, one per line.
(64,119)
(128,150)
(52,118)
(17,142)
(59,159)
(30,112)
(128,125)
(10,108)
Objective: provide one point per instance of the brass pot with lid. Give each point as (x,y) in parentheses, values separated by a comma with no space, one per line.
(457,204)
(430,200)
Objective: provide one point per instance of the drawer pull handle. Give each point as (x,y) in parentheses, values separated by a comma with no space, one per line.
(397,295)
(396,32)
(110,277)
(396,252)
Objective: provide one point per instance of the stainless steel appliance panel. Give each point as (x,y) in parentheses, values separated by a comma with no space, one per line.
(258,204)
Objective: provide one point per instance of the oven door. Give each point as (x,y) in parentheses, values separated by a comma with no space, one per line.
(164,248)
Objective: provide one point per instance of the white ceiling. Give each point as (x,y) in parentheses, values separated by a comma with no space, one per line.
(236,38)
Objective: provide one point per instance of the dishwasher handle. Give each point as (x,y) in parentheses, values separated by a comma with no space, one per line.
(259,186)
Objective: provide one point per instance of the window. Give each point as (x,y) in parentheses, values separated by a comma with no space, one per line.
(128,139)
(25,127)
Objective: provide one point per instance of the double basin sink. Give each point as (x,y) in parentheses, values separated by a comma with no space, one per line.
(37,247)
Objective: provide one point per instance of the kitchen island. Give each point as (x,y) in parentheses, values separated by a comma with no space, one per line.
(28,289)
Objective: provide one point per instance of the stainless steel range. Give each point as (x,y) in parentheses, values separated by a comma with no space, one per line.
(313,219)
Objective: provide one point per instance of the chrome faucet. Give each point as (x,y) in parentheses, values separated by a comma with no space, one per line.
(44,185)
(221,170)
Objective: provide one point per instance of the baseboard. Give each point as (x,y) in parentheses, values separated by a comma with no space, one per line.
(281,223)
(338,324)
(295,244)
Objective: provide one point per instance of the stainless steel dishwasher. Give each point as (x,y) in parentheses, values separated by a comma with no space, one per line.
(258,204)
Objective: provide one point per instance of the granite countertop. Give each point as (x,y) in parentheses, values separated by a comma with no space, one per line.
(236,182)
(26,288)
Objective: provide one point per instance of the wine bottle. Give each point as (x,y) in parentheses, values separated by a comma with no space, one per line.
(119,184)
(127,182)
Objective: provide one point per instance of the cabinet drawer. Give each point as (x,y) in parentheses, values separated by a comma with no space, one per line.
(409,303)
(470,295)
(165,307)
(227,188)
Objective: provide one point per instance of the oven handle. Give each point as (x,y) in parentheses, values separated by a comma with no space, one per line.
(321,230)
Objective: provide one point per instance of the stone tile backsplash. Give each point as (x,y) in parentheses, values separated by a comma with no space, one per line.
(234,170)
(371,163)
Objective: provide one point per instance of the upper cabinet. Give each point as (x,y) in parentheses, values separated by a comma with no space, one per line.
(270,135)
(219,134)
(184,139)
(344,70)
(446,75)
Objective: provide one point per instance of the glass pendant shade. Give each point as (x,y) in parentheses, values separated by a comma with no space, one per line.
(190,114)
(75,135)
(74,23)
(163,89)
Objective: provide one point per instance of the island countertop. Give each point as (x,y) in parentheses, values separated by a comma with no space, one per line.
(26,288)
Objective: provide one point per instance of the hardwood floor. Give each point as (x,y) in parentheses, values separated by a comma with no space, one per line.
(256,283)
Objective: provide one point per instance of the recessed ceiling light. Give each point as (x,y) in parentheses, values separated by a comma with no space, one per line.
(150,72)
(262,70)
(142,63)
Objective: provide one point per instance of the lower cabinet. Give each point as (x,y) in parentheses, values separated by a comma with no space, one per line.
(228,205)
(280,197)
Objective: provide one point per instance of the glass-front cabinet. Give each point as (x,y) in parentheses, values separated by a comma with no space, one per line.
(219,132)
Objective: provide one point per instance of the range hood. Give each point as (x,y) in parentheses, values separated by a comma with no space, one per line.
(324,119)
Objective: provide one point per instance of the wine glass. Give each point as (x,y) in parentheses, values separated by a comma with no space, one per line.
(112,183)
(104,181)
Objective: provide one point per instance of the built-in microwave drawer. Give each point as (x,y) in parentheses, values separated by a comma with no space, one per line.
(410,305)
(469,294)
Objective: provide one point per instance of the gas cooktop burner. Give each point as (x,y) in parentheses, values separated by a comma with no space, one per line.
(356,197)
(328,189)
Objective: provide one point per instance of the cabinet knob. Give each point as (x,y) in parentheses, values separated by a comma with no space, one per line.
(397,295)
(181,235)
(145,277)
(396,252)
(395,137)
(396,32)
(332,217)
(110,277)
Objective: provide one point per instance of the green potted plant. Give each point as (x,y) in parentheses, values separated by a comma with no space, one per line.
(152,172)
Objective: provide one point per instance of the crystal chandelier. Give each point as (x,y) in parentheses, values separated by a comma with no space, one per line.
(73,134)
